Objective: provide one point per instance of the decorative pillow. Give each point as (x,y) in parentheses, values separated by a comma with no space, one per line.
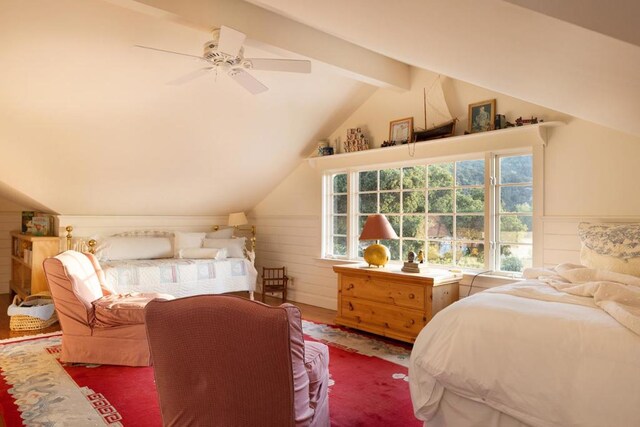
(144,233)
(203,253)
(613,247)
(223,233)
(188,240)
(119,248)
(235,247)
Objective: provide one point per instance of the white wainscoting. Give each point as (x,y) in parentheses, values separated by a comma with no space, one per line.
(9,221)
(294,241)
(291,241)
(561,241)
(87,227)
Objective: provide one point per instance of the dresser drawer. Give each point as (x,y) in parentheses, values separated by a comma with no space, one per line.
(383,291)
(382,317)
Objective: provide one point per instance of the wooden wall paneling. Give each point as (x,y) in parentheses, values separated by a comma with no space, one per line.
(9,221)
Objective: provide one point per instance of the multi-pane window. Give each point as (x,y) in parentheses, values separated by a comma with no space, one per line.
(338,215)
(437,209)
(455,213)
(515,212)
(379,192)
(449,210)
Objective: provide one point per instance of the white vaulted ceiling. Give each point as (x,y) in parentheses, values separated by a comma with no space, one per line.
(580,57)
(88,125)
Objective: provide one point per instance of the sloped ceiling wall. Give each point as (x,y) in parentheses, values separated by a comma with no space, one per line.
(88,124)
(586,67)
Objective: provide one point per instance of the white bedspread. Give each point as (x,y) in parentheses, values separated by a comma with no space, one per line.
(181,277)
(557,360)
(617,294)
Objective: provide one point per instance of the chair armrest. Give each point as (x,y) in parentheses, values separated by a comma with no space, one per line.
(316,362)
(118,310)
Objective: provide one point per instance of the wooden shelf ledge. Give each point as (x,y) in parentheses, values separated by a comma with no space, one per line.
(502,139)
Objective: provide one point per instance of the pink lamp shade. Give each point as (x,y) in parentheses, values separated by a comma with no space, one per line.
(377,227)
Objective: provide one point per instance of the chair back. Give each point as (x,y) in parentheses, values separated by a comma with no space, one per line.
(274,276)
(227,361)
(74,285)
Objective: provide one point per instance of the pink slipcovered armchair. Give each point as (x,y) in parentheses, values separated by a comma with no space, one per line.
(98,326)
(227,361)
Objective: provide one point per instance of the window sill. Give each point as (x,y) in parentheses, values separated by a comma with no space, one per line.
(467,273)
(337,260)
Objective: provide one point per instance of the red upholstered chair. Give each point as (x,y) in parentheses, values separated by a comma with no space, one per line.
(227,361)
(97,326)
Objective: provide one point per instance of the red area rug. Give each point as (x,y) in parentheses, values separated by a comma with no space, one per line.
(369,385)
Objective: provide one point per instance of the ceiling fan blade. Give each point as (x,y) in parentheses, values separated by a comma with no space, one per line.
(290,65)
(230,41)
(168,51)
(190,76)
(247,81)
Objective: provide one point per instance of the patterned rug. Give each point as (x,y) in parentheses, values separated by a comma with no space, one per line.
(368,385)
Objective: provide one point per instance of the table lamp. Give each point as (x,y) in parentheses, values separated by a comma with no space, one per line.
(237,218)
(377,228)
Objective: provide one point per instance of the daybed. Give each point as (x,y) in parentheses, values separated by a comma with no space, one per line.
(561,348)
(177,263)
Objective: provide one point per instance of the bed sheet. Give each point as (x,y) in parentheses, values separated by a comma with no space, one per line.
(544,363)
(181,277)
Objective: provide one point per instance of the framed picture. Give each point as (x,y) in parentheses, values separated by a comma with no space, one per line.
(482,116)
(401,130)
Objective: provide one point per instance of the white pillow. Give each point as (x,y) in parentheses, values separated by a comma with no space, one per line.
(188,240)
(223,233)
(119,248)
(235,247)
(613,247)
(203,253)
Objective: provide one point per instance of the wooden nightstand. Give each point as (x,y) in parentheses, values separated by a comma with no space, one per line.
(388,302)
(27,275)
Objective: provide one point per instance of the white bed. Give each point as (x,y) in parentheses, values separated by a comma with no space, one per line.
(181,277)
(178,263)
(534,353)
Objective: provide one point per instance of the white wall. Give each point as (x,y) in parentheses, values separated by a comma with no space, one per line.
(10,220)
(131,143)
(589,175)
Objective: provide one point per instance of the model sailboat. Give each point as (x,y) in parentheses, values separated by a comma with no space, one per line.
(440,123)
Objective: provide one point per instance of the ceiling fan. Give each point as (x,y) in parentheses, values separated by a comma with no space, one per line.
(224,52)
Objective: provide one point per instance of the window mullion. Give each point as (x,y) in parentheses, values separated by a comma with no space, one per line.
(352,215)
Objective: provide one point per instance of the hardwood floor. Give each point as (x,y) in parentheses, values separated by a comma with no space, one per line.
(309,312)
(5,332)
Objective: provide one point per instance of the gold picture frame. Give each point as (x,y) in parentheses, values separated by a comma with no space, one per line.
(481,120)
(401,130)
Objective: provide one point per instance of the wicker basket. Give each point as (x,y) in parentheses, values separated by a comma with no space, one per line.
(22,322)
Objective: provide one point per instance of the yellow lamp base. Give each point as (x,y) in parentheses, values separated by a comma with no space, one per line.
(377,255)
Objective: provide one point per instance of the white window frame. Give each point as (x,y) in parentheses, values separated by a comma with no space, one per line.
(491,212)
(327,218)
(497,185)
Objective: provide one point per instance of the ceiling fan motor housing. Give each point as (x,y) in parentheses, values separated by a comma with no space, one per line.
(213,55)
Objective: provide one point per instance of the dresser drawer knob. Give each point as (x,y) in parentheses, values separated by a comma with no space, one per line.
(350,286)
(410,323)
(350,307)
(411,296)
(386,325)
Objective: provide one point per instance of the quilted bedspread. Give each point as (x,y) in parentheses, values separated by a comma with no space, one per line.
(181,277)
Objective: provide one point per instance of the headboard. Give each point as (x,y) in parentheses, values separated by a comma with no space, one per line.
(90,245)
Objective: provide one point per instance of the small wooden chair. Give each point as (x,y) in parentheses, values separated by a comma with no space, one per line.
(274,280)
